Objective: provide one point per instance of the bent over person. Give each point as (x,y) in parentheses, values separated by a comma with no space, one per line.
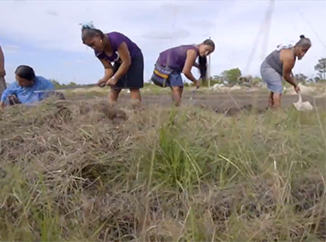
(278,65)
(28,88)
(121,58)
(180,59)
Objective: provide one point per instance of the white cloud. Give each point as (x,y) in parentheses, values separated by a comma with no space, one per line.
(157,25)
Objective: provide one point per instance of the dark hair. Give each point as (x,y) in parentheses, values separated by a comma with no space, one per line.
(25,72)
(209,42)
(203,59)
(303,42)
(89,32)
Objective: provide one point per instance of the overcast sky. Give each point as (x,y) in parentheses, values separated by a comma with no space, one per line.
(46,34)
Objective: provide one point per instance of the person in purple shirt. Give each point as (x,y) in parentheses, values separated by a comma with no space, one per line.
(172,62)
(127,70)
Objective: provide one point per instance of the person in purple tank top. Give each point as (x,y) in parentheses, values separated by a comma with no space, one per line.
(172,62)
(127,70)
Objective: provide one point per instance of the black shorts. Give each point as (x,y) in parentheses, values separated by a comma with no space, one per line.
(134,78)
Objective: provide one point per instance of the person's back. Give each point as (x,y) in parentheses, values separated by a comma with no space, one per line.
(36,92)
(175,57)
(274,61)
(29,94)
(27,89)
(116,39)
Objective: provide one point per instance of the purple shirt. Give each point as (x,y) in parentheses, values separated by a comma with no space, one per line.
(175,57)
(116,39)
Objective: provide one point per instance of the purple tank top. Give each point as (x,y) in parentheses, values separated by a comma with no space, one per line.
(116,39)
(175,57)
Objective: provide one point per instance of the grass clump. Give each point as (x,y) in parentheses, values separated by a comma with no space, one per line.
(84,172)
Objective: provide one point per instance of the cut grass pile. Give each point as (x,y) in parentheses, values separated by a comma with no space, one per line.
(84,172)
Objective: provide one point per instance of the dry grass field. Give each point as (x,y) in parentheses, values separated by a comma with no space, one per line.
(220,168)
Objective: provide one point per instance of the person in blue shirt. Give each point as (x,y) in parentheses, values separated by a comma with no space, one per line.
(28,88)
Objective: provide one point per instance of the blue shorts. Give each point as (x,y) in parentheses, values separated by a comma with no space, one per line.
(175,79)
(271,78)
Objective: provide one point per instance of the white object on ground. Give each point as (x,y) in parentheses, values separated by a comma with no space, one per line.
(235,87)
(302,106)
(217,86)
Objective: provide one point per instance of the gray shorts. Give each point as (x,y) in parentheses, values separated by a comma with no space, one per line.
(175,79)
(271,78)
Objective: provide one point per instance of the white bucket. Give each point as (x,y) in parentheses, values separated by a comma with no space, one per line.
(302,106)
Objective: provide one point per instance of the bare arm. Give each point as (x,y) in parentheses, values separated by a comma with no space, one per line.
(125,61)
(2,64)
(288,64)
(108,70)
(190,60)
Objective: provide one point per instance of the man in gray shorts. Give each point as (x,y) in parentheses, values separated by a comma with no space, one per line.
(278,65)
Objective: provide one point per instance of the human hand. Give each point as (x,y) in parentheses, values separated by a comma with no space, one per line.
(112,81)
(297,89)
(197,84)
(101,83)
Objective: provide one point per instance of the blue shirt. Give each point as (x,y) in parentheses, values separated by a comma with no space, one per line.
(28,95)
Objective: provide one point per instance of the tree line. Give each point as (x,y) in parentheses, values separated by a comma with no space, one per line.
(232,77)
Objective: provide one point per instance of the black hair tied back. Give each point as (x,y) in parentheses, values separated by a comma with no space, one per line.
(89,31)
(302,36)
(202,66)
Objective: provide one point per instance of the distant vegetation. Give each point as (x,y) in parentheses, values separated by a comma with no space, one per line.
(230,77)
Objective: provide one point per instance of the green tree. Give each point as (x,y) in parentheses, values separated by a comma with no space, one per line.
(256,80)
(301,78)
(310,80)
(320,67)
(56,84)
(232,75)
(72,84)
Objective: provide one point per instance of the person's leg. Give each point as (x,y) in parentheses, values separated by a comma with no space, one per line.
(135,97)
(274,85)
(134,79)
(176,95)
(176,84)
(270,100)
(113,96)
(276,101)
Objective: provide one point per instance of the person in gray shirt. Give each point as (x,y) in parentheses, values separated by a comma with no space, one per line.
(279,64)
